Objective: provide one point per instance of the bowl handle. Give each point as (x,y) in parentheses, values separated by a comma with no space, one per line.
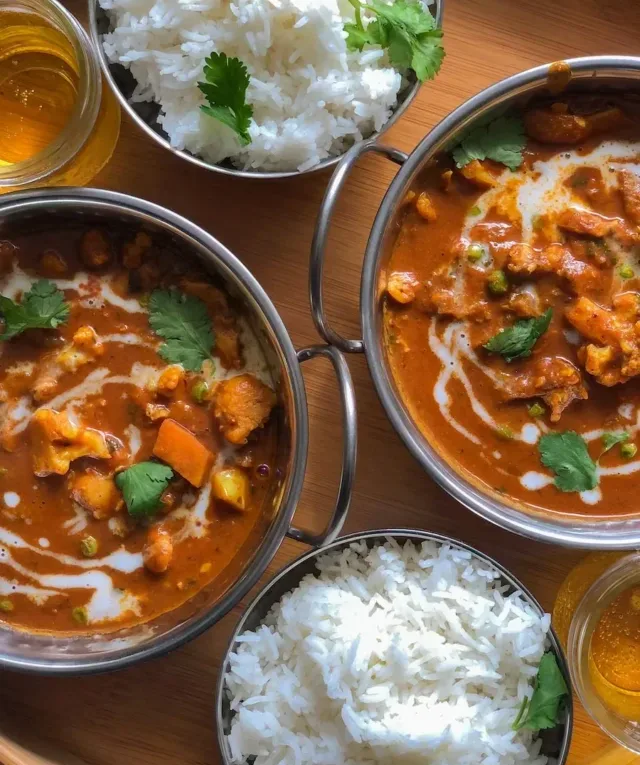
(319,243)
(349,445)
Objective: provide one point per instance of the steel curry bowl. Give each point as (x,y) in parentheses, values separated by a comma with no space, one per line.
(594,75)
(47,653)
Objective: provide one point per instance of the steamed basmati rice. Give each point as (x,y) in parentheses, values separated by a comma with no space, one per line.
(312,98)
(391,655)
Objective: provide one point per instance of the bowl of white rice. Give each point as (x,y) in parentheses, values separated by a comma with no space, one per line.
(316,76)
(395,647)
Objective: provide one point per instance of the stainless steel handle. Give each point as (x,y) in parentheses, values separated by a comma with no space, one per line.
(349,445)
(319,243)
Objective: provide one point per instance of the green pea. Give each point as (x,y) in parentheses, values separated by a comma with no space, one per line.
(628,451)
(497,283)
(89,547)
(199,391)
(505,432)
(475,252)
(475,210)
(80,615)
(626,272)
(6,605)
(536,410)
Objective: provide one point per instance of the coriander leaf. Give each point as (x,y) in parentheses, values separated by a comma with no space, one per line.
(225,89)
(567,455)
(542,710)
(406,29)
(517,342)
(501,140)
(183,321)
(142,486)
(42,307)
(609,440)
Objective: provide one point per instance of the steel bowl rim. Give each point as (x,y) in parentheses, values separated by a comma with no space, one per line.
(416,536)
(546,529)
(325,164)
(102,199)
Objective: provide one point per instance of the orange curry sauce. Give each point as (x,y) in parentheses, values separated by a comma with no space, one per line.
(563,232)
(99,376)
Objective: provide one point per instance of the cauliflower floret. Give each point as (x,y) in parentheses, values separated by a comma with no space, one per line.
(84,348)
(169,380)
(57,442)
(242,404)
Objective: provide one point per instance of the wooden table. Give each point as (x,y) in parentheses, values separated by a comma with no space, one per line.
(161,713)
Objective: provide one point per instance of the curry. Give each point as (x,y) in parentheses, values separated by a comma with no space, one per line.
(512,304)
(136,430)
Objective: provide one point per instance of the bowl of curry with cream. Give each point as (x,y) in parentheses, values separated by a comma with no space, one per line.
(500,301)
(152,431)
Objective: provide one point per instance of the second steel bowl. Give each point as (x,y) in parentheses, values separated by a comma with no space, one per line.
(590,74)
(556,742)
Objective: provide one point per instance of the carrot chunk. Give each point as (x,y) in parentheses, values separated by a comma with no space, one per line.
(182,451)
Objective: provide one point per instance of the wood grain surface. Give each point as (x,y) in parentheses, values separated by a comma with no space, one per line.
(161,713)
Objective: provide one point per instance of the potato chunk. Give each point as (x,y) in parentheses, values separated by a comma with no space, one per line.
(478,173)
(96,493)
(57,442)
(401,286)
(242,404)
(232,487)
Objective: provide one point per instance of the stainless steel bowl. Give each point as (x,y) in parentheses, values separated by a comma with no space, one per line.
(49,654)
(592,74)
(145,114)
(556,742)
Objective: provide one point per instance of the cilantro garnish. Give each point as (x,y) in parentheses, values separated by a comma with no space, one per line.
(183,321)
(609,440)
(225,89)
(542,710)
(142,486)
(42,307)
(567,455)
(501,140)
(517,342)
(406,29)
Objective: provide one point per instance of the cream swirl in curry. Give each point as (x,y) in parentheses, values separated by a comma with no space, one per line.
(136,437)
(512,305)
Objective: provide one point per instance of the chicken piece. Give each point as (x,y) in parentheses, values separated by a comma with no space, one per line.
(401,286)
(613,355)
(56,442)
(169,380)
(456,290)
(157,552)
(95,249)
(586,223)
(446,180)
(85,347)
(225,326)
(7,254)
(478,173)
(241,405)
(425,208)
(133,252)
(96,493)
(555,380)
(156,412)
(556,259)
(606,120)
(630,188)
(53,264)
(553,126)
(524,303)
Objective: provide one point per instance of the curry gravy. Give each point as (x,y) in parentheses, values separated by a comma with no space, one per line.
(46,582)
(563,231)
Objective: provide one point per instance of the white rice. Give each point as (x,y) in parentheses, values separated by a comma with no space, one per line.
(391,655)
(311,97)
